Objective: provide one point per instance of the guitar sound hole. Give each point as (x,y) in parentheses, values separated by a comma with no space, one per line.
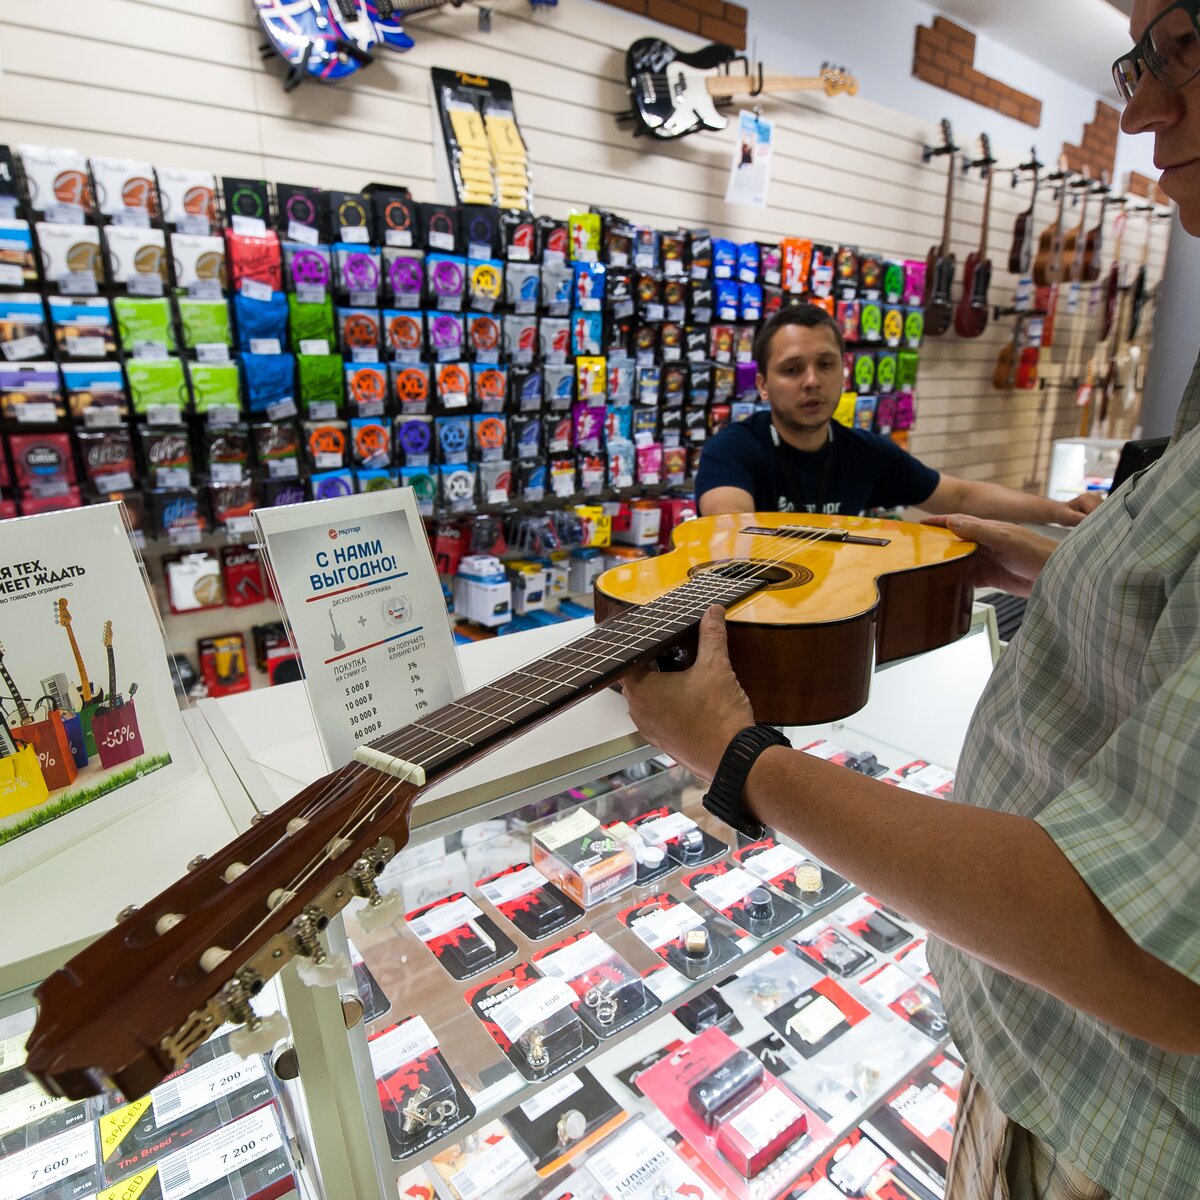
(777,575)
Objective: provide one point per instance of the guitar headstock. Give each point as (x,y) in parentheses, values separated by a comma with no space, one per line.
(137,1002)
(947,136)
(836,80)
(107,638)
(62,615)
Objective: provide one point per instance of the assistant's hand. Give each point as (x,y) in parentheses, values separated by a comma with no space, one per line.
(693,714)
(1010,557)
(1076,509)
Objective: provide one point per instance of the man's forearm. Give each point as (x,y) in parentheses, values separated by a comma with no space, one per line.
(999,503)
(993,884)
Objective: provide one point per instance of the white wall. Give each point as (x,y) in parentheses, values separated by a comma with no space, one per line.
(182,85)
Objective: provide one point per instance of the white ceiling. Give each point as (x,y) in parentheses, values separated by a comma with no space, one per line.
(1073,37)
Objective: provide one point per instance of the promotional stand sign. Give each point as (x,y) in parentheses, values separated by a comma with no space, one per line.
(362,599)
(75,613)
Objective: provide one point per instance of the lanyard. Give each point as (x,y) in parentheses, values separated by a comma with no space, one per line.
(792,475)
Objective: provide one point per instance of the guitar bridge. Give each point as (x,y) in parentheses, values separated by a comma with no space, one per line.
(808,534)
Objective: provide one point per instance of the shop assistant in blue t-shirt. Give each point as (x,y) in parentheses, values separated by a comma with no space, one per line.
(852,472)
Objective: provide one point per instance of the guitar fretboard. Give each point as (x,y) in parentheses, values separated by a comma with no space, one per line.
(449,736)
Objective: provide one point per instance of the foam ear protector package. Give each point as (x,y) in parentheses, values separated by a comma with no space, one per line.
(270,380)
(260,320)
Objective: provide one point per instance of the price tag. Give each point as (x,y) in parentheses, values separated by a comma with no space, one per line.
(145,284)
(65,214)
(623,308)
(29,346)
(252,289)
(576,959)
(327,460)
(11,275)
(370,408)
(439,239)
(497,1164)
(212,352)
(193,224)
(532,1006)
(188,535)
(281,409)
(39,412)
(356,235)
(323,410)
(310,293)
(513,886)
(203,1085)
(150,351)
(266,346)
(283,468)
(162,414)
(86,347)
(408,300)
(197,1166)
(764,1119)
(306,235)
(666,829)
(400,1045)
(47,1163)
(249,226)
(221,415)
(663,925)
(479,250)
(227,472)
(724,890)
(78,283)
(205,289)
(772,863)
(107,417)
(398,237)
(313,346)
(132,218)
(444,917)
(239,525)
(551,1096)
(122,481)
(173,477)
(24,1105)
(364,354)
(362,299)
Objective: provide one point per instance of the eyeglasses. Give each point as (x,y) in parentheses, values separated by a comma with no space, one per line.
(1169,50)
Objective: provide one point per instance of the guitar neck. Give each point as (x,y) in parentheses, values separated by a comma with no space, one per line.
(85,686)
(112,675)
(987,217)
(736,85)
(949,205)
(22,712)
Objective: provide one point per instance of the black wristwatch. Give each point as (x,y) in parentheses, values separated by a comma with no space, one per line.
(724,797)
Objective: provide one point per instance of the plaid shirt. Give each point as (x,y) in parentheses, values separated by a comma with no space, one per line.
(1090,725)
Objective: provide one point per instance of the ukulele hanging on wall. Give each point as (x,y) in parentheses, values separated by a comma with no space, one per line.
(971,314)
(939,266)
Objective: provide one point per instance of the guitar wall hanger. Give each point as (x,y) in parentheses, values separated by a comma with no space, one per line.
(1032,167)
(998,313)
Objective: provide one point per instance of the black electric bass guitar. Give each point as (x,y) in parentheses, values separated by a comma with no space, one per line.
(851,591)
(940,265)
(674,93)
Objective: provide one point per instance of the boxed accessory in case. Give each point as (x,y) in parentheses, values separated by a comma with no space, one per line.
(536,907)
(533,1020)
(611,995)
(463,938)
(421,1099)
(696,946)
(864,917)
(833,951)
(586,861)
(914,1002)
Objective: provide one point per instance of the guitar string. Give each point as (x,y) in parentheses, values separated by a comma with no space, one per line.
(369,806)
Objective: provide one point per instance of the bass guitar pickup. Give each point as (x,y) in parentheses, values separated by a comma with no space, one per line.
(808,534)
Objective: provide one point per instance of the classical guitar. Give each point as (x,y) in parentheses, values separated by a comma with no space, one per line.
(676,93)
(1020,253)
(331,40)
(812,606)
(939,265)
(971,313)
(1048,262)
(89,696)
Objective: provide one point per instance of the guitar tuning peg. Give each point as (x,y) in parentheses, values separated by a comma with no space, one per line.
(328,973)
(376,916)
(260,1036)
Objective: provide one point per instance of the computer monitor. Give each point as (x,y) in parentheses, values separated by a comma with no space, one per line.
(1136,456)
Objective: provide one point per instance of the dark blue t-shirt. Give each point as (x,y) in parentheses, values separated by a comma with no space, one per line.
(854,472)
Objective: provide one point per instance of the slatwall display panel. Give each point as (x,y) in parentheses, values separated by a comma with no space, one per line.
(183,85)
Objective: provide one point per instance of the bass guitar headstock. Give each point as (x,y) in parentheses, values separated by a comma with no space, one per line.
(107,638)
(836,80)
(62,614)
(135,1004)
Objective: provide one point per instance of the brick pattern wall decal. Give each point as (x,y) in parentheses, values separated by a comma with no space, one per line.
(1097,149)
(1137,184)
(944,56)
(711,19)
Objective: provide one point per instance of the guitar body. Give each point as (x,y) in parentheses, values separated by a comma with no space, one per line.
(1021,251)
(1004,375)
(1047,265)
(807,646)
(971,312)
(87,713)
(328,40)
(669,100)
(939,274)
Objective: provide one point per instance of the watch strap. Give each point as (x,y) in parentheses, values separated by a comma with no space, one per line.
(725,796)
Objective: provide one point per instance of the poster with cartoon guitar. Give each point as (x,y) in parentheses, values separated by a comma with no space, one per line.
(90,719)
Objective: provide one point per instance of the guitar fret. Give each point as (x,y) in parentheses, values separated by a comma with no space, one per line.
(441,732)
(480,711)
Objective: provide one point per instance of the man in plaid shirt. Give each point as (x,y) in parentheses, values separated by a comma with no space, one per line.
(1063,890)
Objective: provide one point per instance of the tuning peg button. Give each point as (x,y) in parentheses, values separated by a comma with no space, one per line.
(261,1037)
(334,970)
(373,917)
